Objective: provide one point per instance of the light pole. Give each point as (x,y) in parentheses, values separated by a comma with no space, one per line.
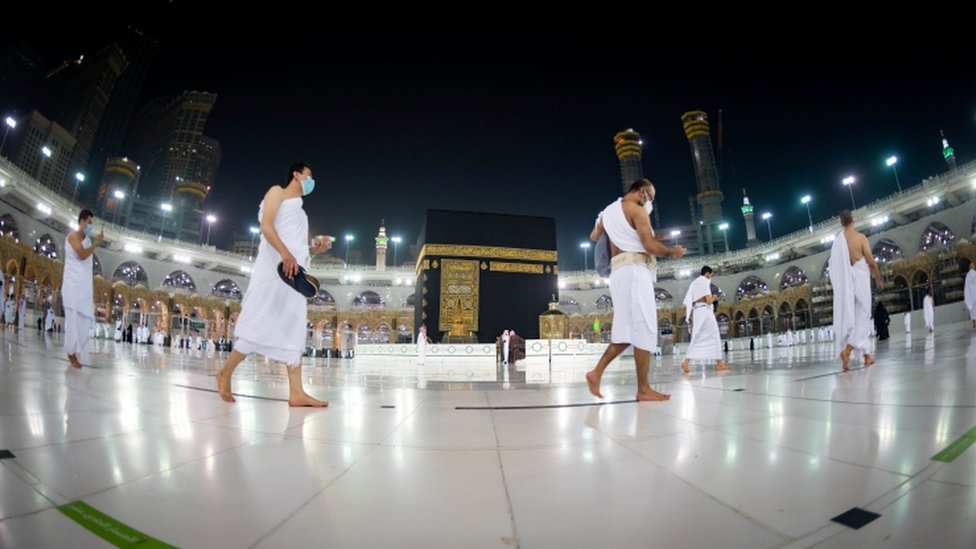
(724,227)
(585,246)
(119,195)
(806,200)
(254,233)
(349,238)
(79,178)
(396,240)
(766,216)
(849,183)
(891,161)
(166,207)
(675,234)
(211,219)
(11,124)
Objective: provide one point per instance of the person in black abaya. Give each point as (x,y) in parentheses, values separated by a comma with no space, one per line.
(881,321)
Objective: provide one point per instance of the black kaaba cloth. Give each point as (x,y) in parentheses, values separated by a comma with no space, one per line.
(481,273)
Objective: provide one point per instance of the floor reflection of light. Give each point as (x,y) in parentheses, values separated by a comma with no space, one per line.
(588,455)
(730,452)
(179,415)
(129,401)
(35,423)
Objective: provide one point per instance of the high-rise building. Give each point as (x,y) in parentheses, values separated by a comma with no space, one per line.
(750,221)
(628,144)
(78,92)
(43,149)
(139,49)
(121,175)
(709,195)
(179,165)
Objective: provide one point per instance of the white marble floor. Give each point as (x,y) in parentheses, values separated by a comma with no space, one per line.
(408,456)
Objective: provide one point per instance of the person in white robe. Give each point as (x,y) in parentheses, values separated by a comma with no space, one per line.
(928,311)
(21,313)
(969,292)
(506,342)
(422,344)
(9,311)
(633,265)
(706,340)
(273,318)
(851,266)
(908,322)
(77,286)
(49,319)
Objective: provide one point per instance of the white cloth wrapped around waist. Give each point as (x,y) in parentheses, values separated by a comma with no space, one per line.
(76,283)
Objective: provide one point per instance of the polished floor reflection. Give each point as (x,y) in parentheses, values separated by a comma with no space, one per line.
(451,455)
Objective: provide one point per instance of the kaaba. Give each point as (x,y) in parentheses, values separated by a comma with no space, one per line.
(481,273)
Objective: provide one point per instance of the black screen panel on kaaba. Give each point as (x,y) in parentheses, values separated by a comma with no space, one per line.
(481,273)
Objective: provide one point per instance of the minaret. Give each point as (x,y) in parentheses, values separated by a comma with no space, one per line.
(628,146)
(947,152)
(381,241)
(750,222)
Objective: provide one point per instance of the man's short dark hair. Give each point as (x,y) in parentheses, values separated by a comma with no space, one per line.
(296,167)
(706,270)
(846,217)
(639,184)
(85,214)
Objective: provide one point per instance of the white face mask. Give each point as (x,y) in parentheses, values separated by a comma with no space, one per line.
(648,207)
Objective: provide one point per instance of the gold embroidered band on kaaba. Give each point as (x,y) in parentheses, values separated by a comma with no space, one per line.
(484,252)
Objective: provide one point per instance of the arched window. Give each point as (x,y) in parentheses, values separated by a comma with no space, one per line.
(604,303)
(8,227)
(794,276)
(936,235)
(131,273)
(322,298)
(750,286)
(569,305)
(180,280)
(45,246)
(367,300)
(227,289)
(886,250)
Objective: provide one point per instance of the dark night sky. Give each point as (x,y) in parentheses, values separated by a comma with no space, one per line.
(395,124)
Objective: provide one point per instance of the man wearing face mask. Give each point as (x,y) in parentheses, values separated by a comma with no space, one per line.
(76,286)
(273,315)
(633,264)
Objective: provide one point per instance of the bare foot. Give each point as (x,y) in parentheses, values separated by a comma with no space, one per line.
(650,395)
(845,358)
(868,360)
(593,381)
(74,362)
(721,365)
(306,400)
(223,386)
(684,366)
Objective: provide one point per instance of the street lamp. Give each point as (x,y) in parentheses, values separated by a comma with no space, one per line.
(675,234)
(585,246)
(892,160)
(349,238)
(79,178)
(166,207)
(46,151)
(806,200)
(11,124)
(849,183)
(211,219)
(119,195)
(724,227)
(766,216)
(396,240)
(254,233)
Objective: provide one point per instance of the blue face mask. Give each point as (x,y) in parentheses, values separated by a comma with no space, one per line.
(89,230)
(308,185)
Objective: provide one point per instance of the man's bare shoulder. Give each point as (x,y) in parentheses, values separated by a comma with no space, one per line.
(274,192)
